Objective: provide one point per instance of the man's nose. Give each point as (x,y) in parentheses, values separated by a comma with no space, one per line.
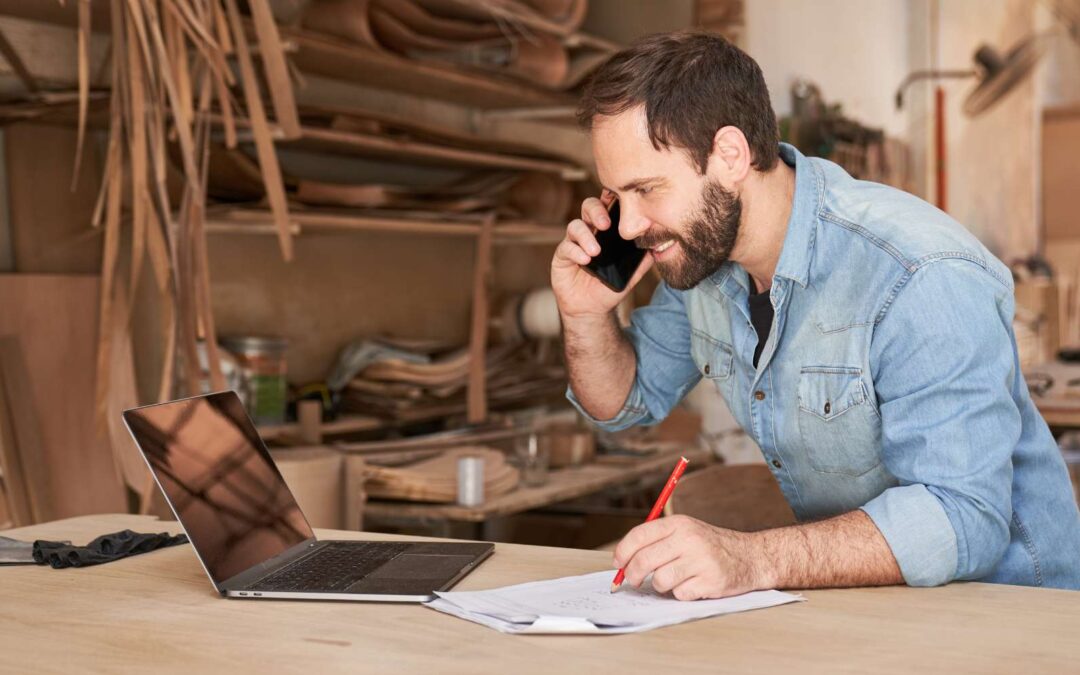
(632,223)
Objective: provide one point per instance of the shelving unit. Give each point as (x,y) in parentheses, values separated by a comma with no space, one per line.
(229,220)
(348,64)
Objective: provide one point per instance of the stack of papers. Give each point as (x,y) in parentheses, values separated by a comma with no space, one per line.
(585,604)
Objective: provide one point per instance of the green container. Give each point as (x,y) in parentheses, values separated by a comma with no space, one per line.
(262,375)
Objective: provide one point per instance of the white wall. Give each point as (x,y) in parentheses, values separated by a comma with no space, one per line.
(858,52)
(855,50)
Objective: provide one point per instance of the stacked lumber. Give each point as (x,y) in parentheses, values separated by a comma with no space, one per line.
(402,391)
(435,479)
(532,40)
(510,180)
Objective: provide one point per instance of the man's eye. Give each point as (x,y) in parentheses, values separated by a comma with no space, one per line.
(644,190)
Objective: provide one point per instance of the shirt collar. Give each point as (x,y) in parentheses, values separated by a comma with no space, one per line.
(798,250)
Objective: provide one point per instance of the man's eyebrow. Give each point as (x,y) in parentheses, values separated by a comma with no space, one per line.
(638,183)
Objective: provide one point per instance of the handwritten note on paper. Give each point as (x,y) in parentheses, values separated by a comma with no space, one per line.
(585,604)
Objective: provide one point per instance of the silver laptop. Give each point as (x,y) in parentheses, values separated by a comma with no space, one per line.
(247,529)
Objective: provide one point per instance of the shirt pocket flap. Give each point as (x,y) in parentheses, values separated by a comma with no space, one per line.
(828,392)
(713,359)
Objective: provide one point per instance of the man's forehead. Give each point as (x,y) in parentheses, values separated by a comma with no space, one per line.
(624,153)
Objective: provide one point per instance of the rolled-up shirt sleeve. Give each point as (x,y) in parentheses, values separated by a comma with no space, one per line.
(945,366)
(660,336)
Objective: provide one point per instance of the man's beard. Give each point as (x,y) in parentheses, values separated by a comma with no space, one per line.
(710,235)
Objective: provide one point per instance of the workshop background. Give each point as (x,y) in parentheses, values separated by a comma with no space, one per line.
(345,210)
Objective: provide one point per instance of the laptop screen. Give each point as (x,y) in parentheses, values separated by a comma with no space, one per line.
(220,481)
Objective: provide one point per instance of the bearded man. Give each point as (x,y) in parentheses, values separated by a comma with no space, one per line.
(862,337)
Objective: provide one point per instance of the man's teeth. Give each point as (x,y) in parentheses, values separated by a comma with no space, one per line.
(665,246)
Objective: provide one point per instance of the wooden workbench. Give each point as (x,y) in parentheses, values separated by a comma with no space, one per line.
(158,612)
(563,484)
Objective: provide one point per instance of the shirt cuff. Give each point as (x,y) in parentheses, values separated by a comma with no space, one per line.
(919,533)
(633,411)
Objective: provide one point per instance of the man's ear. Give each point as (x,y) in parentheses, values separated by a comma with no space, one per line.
(730,159)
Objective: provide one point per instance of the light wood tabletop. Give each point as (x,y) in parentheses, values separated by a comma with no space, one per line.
(158,613)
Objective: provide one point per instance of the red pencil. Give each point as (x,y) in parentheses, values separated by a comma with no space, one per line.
(669,487)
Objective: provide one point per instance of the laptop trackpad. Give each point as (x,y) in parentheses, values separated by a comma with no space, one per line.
(436,570)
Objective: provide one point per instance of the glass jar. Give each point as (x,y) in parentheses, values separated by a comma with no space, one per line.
(262,370)
(532,458)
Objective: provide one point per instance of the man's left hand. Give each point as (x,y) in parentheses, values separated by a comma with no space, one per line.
(691,559)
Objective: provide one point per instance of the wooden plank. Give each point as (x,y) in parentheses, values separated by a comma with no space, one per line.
(562,485)
(255,221)
(345,61)
(1060,167)
(477,405)
(24,421)
(398,149)
(16,493)
(277,73)
(55,318)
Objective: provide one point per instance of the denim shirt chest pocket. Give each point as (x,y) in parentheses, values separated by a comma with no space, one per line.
(839,426)
(713,359)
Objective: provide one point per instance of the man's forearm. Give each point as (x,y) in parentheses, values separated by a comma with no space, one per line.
(600,362)
(847,550)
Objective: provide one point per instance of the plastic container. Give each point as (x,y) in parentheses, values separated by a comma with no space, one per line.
(470,481)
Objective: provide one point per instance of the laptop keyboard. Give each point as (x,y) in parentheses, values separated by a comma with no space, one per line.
(334,567)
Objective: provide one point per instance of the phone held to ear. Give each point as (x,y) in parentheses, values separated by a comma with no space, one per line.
(618,258)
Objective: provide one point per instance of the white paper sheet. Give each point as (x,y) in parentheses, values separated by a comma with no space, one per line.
(585,604)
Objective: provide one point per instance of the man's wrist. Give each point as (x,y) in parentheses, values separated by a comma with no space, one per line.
(762,553)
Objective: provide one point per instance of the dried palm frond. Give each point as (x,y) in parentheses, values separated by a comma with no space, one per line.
(171,81)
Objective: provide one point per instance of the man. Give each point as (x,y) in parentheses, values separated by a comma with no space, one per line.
(861,336)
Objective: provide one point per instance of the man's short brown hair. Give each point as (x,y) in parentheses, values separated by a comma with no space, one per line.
(692,84)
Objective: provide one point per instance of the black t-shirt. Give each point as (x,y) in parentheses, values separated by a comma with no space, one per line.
(761,315)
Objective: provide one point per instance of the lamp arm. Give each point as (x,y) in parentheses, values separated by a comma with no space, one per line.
(918,75)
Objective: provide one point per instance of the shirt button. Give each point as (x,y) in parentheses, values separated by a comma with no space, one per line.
(776,463)
(707,369)
(828,408)
(759,395)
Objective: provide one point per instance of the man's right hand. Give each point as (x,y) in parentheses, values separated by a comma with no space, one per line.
(578,293)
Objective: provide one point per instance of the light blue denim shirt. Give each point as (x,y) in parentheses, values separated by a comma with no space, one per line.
(889,383)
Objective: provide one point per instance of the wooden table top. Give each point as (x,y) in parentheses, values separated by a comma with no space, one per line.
(158,612)
(563,484)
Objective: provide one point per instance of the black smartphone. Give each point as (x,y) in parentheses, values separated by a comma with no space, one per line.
(619,258)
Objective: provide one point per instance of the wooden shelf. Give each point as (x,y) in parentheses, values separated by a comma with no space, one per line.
(562,485)
(240,221)
(345,425)
(387,147)
(324,55)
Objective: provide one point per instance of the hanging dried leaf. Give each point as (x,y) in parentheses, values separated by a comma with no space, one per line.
(171,81)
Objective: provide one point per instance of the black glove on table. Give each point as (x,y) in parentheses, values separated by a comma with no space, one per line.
(105,548)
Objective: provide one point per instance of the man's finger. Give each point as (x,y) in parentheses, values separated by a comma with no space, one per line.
(691,589)
(651,558)
(595,213)
(642,536)
(671,575)
(569,251)
(582,234)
